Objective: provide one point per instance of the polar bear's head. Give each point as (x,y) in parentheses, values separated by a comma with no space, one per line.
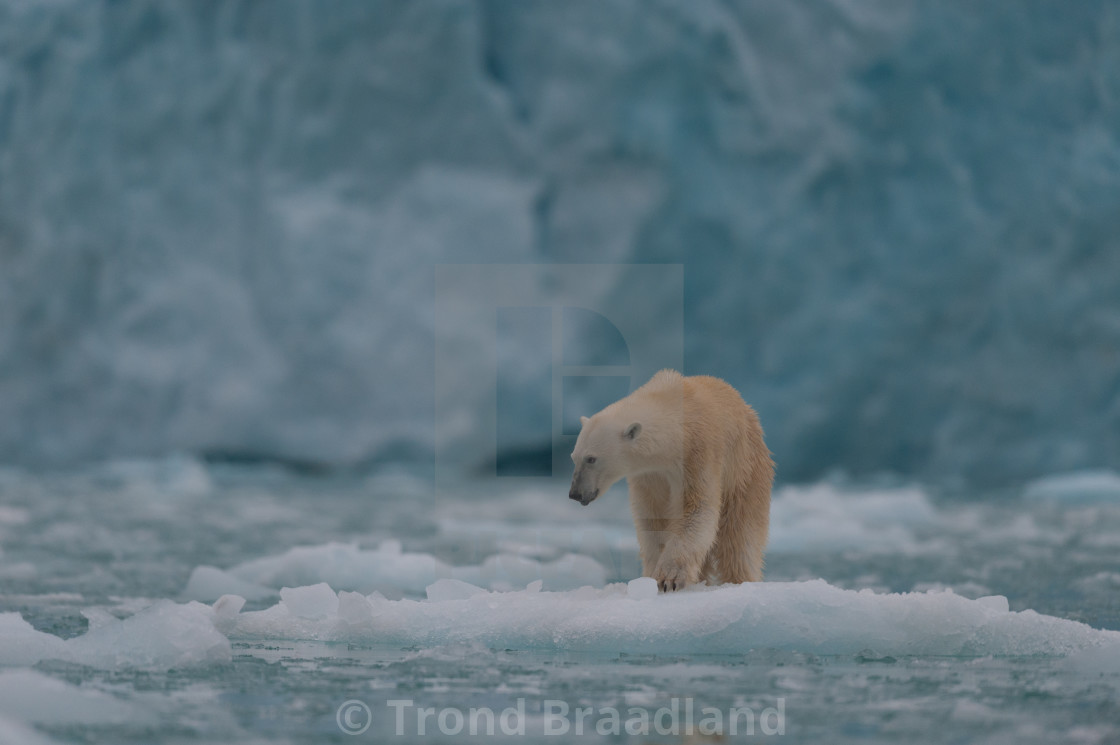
(603,455)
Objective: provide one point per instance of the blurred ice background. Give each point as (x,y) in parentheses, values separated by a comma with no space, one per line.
(899,221)
(897,224)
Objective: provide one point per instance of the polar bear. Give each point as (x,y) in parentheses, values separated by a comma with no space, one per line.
(699,474)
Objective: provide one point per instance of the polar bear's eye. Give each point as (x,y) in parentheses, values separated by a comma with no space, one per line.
(589,459)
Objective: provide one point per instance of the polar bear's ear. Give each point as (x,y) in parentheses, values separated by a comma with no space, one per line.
(583,421)
(632,431)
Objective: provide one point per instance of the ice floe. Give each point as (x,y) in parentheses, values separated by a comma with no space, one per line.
(161,636)
(812,617)
(386,569)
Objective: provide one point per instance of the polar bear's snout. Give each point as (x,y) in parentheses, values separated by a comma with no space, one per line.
(582,497)
(582,493)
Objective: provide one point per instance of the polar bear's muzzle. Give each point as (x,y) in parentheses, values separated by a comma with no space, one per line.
(583,497)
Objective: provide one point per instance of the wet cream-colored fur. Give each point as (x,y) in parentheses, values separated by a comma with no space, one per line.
(699,474)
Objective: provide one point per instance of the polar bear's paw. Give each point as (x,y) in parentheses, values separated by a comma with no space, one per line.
(672,575)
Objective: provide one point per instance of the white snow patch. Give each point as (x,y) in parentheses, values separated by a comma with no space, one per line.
(642,588)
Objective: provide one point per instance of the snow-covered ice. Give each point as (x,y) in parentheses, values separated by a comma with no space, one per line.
(642,588)
(22,644)
(812,617)
(387,569)
(809,617)
(161,636)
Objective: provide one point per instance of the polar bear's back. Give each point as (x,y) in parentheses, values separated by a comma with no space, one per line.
(713,405)
(716,421)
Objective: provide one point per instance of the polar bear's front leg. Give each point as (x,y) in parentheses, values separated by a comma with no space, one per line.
(652,507)
(651,542)
(689,541)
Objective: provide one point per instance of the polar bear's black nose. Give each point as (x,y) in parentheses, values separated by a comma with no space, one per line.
(584,499)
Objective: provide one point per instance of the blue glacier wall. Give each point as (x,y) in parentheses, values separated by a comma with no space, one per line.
(899,221)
